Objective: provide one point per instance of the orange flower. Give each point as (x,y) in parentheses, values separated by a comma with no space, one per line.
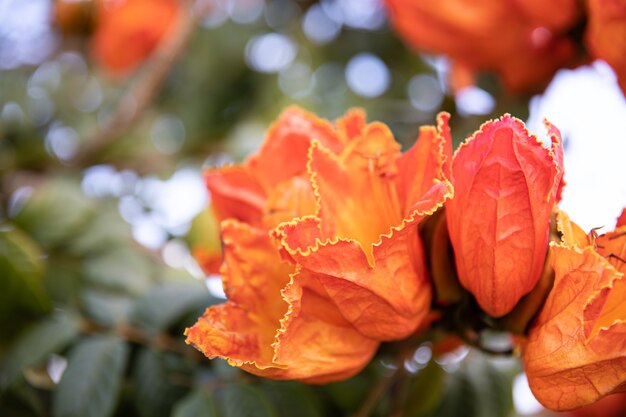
(505,188)
(268,327)
(129,30)
(576,350)
(606,34)
(525,42)
(362,245)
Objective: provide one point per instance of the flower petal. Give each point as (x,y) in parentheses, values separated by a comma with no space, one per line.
(505,186)
(569,362)
(243,329)
(571,234)
(606,35)
(315,336)
(235,194)
(613,247)
(299,336)
(284,151)
(386,300)
(355,191)
(351,125)
(428,160)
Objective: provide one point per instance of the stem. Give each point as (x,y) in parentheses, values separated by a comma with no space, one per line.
(377,392)
(139,94)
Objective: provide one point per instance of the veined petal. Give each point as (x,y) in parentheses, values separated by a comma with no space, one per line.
(355,191)
(505,186)
(574,356)
(613,247)
(315,336)
(386,300)
(426,162)
(235,194)
(252,272)
(284,151)
(242,330)
(299,336)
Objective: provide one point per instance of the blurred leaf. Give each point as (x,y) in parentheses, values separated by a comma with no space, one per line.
(47,336)
(197,404)
(56,211)
(105,307)
(425,390)
(63,280)
(162,306)
(160,380)
(21,400)
(477,389)
(292,398)
(21,269)
(120,269)
(92,381)
(245,400)
(106,230)
(349,394)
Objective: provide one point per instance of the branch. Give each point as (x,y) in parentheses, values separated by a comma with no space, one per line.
(154,72)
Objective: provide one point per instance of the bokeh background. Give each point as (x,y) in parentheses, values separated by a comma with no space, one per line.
(102,200)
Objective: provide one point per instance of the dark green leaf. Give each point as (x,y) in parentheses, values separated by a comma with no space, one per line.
(162,306)
(425,390)
(21,400)
(196,404)
(476,389)
(91,383)
(245,401)
(21,272)
(120,269)
(160,381)
(106,230)
(46,336)
(105,307)
(292,398)
(55,212)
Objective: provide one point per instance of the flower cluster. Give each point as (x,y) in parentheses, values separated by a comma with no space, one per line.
(504,36)
(335,241)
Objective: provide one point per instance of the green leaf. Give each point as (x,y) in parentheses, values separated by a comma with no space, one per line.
(292,398)
(21,400)
(91,383)
(120,269)
(245,401)
(47,336)
(55,212)
(160,381)
(21,269)
(197,404)
(425,390)
(105,307)
(477,389)
(162,306)
(106,230)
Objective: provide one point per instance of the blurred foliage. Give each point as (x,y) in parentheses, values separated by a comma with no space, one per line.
(91,320)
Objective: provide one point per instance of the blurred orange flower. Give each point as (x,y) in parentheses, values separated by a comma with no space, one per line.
(506,185)
(576,350)
(606,34)
(127,31)
(525,42)
(268,327)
